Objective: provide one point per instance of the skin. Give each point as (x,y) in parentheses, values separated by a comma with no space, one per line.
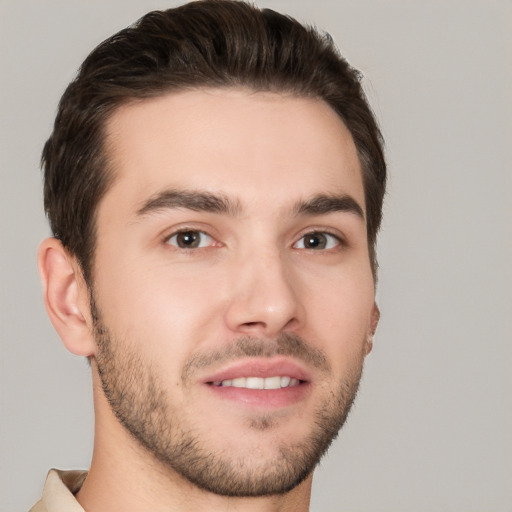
(251,276)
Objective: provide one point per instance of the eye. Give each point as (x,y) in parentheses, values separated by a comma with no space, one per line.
(190,239)
(317,240)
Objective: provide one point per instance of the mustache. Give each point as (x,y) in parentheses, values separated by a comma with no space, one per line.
(286,344)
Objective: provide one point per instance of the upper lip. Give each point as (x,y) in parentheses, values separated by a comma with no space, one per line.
(260,367)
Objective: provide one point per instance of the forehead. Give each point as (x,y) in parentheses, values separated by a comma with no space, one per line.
(247,144)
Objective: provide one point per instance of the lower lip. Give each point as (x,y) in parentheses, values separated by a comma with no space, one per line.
(263,398)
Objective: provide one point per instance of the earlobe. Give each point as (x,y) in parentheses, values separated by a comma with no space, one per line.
(374,321)
(66,297)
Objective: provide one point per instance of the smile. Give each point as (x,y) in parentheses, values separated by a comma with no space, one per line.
(276,382)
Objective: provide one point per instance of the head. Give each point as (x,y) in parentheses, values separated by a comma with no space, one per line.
(208,44)
(216,177)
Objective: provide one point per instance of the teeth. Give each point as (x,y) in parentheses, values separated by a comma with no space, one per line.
(238,383)
(276,382)
(272,383)
(255,383)
(285,381)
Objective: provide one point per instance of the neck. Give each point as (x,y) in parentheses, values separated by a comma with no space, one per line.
(125,476)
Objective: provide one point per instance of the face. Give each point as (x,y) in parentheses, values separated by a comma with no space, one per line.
(233,292)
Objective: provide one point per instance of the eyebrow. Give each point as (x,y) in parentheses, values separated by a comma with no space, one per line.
(320,204)
(192,200)
(323,204)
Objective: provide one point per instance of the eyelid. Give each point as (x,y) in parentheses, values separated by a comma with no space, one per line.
(341,241)
(189,228)
(201,244)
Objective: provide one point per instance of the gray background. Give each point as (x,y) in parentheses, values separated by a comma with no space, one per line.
(432,428)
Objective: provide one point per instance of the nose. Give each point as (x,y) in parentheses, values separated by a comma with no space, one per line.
(265,297)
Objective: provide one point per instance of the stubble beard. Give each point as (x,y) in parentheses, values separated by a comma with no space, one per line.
(141,404)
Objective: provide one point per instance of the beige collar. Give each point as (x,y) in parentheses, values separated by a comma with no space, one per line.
(59,491)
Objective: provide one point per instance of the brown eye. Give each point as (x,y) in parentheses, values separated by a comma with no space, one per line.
(317,241)
(190,239)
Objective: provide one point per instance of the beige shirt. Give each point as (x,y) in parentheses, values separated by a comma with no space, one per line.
(59,491)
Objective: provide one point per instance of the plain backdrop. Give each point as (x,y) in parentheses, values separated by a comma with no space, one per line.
(432,427)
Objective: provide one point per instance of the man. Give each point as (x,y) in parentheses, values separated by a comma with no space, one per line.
(214,183)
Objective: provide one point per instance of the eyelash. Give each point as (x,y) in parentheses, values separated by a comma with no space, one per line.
(331,239)
(185,231)
(338,241)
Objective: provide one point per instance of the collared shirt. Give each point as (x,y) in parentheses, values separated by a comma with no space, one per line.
(59,491)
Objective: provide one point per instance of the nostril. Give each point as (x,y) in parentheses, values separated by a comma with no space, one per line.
(254,324)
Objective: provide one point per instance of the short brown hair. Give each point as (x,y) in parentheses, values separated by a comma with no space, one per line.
(207,43)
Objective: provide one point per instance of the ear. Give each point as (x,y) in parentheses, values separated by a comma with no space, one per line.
(374,321)
(66,297)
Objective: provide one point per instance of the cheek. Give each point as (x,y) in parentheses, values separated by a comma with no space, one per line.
(168,310)
(339,312)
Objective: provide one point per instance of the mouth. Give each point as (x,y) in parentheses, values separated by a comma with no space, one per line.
(261,383)
(276,382)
